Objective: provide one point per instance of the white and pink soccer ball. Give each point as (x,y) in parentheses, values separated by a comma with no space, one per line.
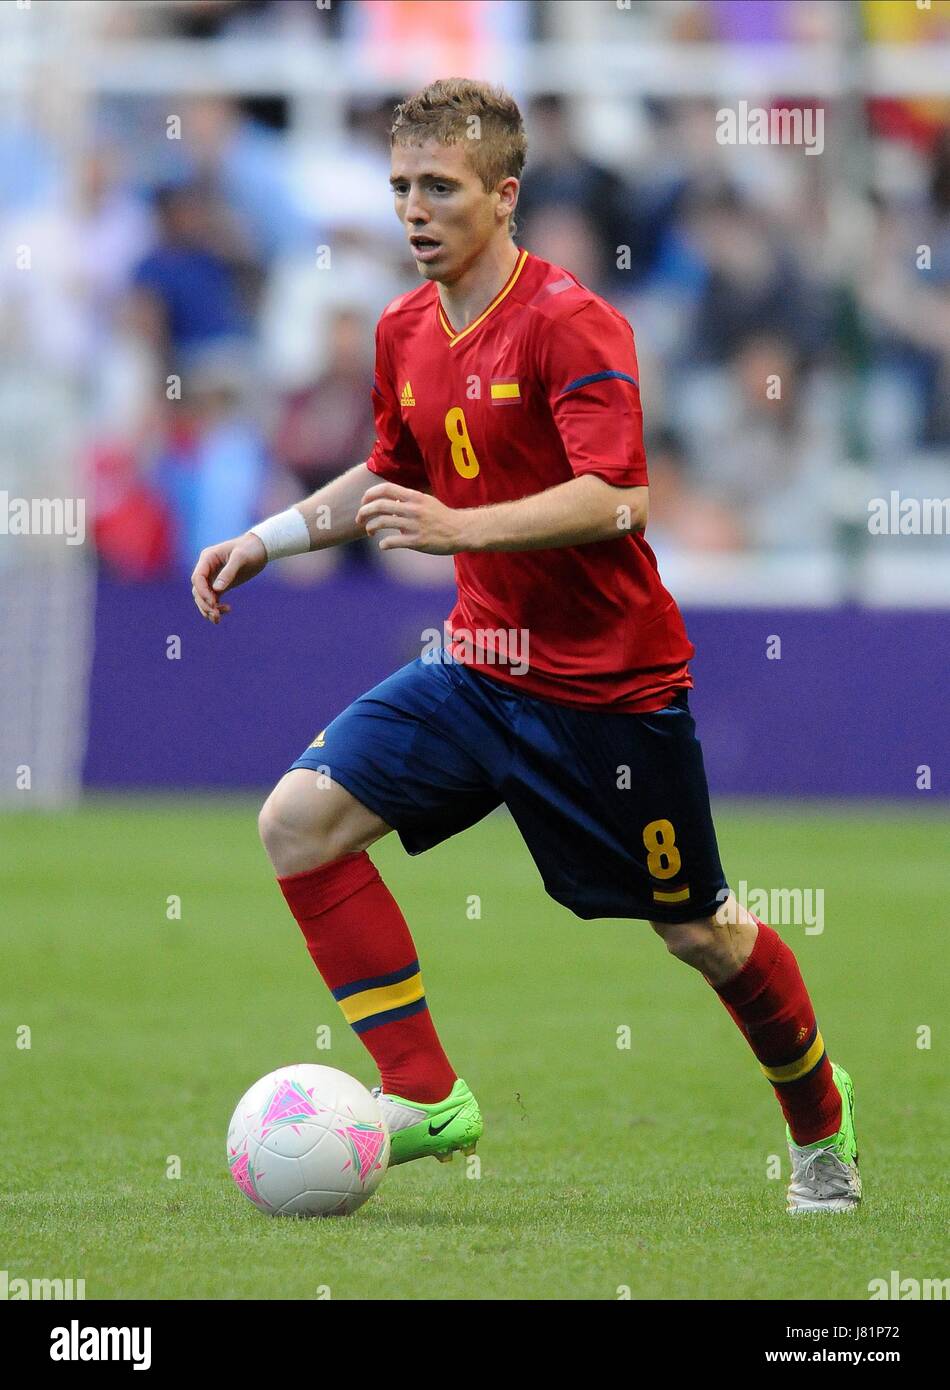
(308,1141)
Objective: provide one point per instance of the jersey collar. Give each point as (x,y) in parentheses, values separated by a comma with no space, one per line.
(506,289)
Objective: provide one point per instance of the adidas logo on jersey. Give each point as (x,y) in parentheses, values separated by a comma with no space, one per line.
(407,398)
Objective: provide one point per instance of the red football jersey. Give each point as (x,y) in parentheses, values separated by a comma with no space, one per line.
(540,388)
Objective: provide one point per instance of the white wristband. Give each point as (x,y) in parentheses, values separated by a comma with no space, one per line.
(286,533)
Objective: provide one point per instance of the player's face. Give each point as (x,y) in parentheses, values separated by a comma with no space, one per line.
(440,200)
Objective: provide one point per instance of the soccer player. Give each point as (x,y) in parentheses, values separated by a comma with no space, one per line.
(509,434)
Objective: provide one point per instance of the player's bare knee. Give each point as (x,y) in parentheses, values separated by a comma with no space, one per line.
(695,943)
(270,827)
(305,823)
(288,832)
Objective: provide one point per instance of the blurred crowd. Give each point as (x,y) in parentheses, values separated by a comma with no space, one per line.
(209,278)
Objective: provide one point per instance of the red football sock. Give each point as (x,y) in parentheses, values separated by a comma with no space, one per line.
(770,1004)
(361,945)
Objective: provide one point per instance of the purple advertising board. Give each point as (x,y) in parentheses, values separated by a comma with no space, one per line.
(853,706)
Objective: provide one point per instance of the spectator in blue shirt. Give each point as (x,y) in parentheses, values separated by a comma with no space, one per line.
(192,290)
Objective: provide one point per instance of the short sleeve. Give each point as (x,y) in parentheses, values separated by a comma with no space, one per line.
(395,455)
(588,366)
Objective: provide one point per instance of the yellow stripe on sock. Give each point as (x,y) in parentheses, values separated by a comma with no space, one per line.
(793,1070)
(378,1001)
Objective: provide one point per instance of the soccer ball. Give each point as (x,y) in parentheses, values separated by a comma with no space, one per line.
(307,1141)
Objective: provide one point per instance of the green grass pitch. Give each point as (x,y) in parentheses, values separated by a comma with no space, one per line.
(602,1169)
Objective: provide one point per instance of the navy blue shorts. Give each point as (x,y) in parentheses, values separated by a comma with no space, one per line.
(614,808)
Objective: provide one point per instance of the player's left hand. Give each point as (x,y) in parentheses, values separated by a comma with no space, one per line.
(420,521)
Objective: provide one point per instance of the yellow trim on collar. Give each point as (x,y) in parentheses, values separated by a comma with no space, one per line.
(502,294)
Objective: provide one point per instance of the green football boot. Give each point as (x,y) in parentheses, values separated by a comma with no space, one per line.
(417,1130)
(825,1175)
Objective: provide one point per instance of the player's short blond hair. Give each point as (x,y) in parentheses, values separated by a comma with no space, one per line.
(456,109)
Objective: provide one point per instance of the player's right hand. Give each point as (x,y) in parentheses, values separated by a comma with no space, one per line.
(222,567)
